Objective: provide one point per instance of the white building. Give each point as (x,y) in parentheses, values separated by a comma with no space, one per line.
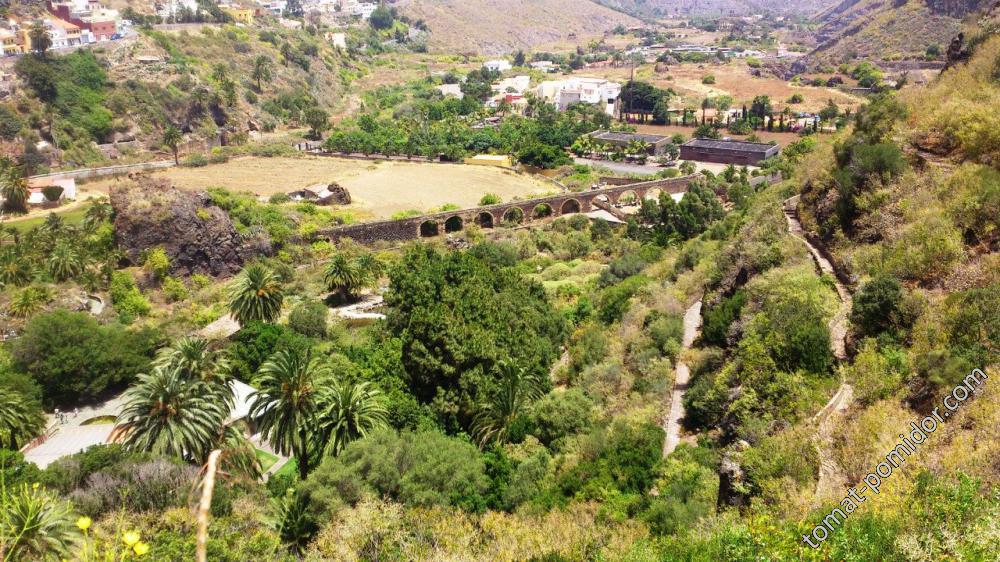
(454,90)
(596,91)
(170,8)
(544,66)
(513,85)
(497,65)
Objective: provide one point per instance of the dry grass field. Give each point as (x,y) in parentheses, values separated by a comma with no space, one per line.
(377,188)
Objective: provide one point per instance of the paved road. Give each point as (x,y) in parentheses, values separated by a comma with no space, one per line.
(682,376)
(620,167)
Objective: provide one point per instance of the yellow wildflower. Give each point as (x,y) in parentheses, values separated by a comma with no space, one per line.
(84,523)
(140,548)
(130,537)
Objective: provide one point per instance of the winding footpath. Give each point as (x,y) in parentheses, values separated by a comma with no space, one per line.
(831,476)
(682,376)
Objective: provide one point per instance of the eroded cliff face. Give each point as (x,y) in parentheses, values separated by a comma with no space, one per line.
(958,8)
(198,236)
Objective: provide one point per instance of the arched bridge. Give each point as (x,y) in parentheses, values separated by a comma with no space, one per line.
(512,213)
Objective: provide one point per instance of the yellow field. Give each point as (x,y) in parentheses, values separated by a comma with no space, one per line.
(378,188)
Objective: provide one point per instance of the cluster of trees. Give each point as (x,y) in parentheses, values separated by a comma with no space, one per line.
(445,129)
(670,221)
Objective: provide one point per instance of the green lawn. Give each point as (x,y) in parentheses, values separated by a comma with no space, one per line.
(291,468)
(266,459)
(73,216)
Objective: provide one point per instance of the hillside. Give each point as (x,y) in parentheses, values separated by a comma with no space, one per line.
(486,26)
(890,29)
(669,8)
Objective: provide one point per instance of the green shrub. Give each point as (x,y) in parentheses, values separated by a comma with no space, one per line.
(309,318)
(420,469)
(558,415)
(196,160)
(74,359)
(718,319)
(174,289)
(125,295)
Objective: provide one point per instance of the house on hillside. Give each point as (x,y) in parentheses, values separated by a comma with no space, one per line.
(739,153)
(595,91)
(51,191)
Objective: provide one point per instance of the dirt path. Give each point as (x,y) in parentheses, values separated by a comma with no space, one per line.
(831,479)
(682,376)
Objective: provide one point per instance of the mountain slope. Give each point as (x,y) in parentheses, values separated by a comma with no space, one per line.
(487,26)
(666,8)
(891,29)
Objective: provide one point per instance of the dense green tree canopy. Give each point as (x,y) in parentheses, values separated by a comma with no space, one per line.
(75,359)
(458,317)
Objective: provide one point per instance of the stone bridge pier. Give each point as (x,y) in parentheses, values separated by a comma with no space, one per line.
(505,214)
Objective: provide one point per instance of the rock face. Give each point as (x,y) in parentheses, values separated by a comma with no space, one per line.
(338,195)
(198,236)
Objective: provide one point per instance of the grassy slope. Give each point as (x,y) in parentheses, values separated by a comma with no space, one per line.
(659,8)
(487,26)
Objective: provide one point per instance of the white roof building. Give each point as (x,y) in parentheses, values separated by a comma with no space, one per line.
(514,85)
(597,91)
(451,90)
(497,65)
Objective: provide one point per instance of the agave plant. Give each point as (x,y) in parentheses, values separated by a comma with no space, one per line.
(34,525)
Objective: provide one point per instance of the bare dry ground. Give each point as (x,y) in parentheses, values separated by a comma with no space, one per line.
(733,79)
(378,188)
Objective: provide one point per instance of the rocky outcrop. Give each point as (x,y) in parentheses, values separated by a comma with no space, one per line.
(198,236)
(338,195)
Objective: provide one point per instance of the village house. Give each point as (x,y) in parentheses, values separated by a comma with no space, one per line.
(544,66)
(8,39)
(513,85)
(239,13)
(170,8)
(99,23)
(497,65)
(595,91)
(40,189)
(454,90)
(739,153)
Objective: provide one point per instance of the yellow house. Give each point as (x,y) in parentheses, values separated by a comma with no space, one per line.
(241,15)
(9,43)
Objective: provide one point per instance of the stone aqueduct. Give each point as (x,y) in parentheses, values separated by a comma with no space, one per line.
(490,216)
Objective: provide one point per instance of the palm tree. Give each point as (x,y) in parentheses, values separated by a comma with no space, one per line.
(172,139)
(193,358)
(256,295)
(20,419)
(518,388)
(14,268)
(261,70)
(65,261)
(344,276)
(27,302)
(14,189)
(371,268)
(97,213)
(352,411)
(285,408)
(168,414)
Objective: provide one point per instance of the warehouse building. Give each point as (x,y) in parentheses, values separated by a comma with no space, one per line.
(739,153)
